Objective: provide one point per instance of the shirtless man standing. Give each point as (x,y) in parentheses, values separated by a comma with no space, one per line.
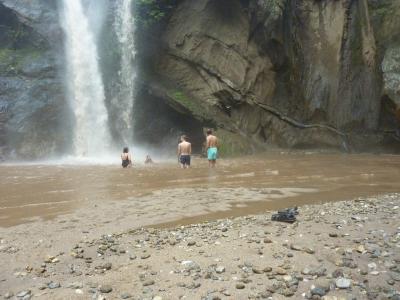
(212,148)
(184,152)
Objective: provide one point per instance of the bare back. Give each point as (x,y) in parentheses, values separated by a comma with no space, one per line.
(212,141)
(184,148)
(126,156)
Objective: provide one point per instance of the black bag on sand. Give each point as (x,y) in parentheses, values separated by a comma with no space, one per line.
(287,215)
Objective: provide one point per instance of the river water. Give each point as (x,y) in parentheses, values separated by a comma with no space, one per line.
(236,187)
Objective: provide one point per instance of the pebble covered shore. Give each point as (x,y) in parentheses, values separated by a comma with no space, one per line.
(342,250)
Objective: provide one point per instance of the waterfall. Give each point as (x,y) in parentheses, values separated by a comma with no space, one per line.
(85,86)
(124,25)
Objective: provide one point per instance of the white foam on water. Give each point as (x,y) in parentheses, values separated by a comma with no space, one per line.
(101,159)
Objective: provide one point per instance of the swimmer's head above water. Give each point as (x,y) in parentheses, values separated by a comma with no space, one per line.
(125,150)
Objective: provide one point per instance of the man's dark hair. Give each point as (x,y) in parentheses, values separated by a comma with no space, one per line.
(126,150)
(209,131)
(184,137)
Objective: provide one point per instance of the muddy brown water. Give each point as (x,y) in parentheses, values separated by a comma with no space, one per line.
(32,192)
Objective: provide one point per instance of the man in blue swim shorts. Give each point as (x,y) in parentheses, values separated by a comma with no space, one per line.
(212,148)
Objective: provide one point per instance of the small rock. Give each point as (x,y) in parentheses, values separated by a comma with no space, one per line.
(8,295)
(24,294)
(193,285)
(267,269)
(309,250)
(343,283)
(318,291)
(49,258)
(145,256)
(324,285)
(266,295)
(395,276)
(280,271)
(40,270)
(372,266)
(240,286)
(287,278)
(333,234)
(363,271)
(338,273)
(190,265)
(191,243)
(103,247)
(375,273)
(148,282)
(105,289)
(390,281)
(220,269)
(306,271)
(295,247)
(287,292)
(105,266)
(54,285)
(75,285)
(126,296)
(257,270)
(361,249)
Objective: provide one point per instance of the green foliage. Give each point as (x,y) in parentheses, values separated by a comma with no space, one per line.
(180,98)
(11,60)
(150,12)
(191,105)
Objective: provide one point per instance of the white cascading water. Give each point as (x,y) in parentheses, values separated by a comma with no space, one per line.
(91,137)
(125,27)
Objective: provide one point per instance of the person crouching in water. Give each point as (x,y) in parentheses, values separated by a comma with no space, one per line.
(184,152)
(126,158)
(212,148)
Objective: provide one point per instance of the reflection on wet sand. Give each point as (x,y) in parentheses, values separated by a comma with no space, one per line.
(270,182)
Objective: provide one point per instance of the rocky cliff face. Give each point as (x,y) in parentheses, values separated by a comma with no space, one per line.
(260,70)
(31,94)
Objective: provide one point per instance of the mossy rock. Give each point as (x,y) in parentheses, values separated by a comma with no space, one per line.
(12,61)
(180,98)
